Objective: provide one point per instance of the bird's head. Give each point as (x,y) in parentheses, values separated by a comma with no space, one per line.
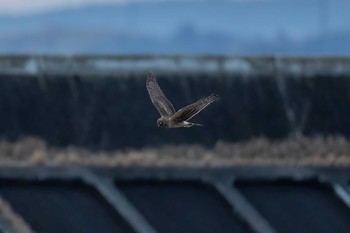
(161,123)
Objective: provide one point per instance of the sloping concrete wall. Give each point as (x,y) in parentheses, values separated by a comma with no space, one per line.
(102,102)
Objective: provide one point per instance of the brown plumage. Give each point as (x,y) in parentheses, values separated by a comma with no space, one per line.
(169,117)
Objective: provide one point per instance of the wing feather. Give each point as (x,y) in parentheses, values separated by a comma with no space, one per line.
(191,110)
(163,105)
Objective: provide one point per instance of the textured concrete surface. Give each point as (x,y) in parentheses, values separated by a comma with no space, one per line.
(101,102)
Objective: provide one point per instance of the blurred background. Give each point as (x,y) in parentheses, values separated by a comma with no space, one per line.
(227,27)
(80,150)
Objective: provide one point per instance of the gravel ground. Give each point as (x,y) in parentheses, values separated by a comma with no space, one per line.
(309,151)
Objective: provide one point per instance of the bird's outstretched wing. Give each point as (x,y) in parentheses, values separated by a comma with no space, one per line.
(191,110)
(163,105)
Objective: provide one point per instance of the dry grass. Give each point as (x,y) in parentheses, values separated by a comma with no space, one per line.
(315,151)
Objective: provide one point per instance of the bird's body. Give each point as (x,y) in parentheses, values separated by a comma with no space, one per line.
(169,123)
(169,117)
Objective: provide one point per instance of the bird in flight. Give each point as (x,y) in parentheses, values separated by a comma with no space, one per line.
(168,117)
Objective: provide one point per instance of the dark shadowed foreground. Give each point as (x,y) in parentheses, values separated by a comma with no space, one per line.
(315,151)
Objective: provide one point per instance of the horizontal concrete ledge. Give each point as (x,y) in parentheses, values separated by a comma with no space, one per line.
(119,65)
(326,174)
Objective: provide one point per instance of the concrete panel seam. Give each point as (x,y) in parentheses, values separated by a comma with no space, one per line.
(243,208)
(119,202)
(342,193)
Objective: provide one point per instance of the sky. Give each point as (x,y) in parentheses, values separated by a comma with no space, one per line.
(175,26)
(20,7)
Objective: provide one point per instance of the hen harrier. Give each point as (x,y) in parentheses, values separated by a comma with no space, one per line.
(169,118)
